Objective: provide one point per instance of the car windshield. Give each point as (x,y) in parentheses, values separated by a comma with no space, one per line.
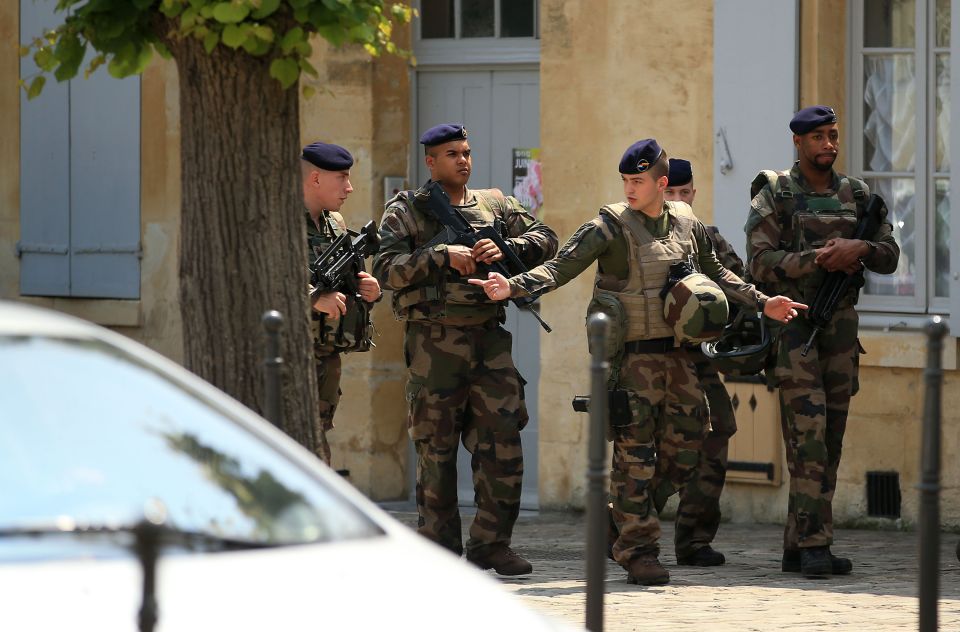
(92,435)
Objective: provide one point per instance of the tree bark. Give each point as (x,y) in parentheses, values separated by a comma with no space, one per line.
(243,240)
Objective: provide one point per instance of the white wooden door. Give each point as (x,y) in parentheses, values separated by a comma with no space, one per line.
(501,111)
(755,85)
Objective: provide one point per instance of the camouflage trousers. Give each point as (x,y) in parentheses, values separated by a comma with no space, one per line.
(328,384)
(463,387)
(656,453)
(698,516)
(815,396)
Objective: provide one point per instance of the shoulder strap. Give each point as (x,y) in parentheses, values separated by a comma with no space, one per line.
(629,221)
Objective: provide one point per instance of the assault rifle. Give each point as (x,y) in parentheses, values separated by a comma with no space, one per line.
(836,283)
(457,230)
(337,267)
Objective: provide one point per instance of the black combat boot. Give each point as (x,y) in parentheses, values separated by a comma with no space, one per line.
(791,563)
(500,558)
(647,570)
(815,562)
(613,534)
(704,556)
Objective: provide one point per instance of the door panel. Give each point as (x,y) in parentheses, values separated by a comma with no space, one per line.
(754,97)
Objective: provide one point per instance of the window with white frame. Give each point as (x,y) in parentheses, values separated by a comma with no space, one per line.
(452,32)
(899,142)
(464,19)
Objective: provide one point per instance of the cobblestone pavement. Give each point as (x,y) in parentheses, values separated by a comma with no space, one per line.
(748,593)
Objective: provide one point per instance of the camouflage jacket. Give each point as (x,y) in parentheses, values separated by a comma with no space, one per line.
(424,286)
(602,240)
(788,222)
(330,337)
(725,253)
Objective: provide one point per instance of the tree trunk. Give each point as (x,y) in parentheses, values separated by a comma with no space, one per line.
(243,240)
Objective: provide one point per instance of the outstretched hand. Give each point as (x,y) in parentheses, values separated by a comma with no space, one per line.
(782,308)
(497,287)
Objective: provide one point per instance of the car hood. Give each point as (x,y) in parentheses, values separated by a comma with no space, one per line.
(389,582)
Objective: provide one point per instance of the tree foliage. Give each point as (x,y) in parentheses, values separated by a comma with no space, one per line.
(126,33)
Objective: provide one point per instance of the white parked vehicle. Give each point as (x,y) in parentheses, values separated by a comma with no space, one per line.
(105,444)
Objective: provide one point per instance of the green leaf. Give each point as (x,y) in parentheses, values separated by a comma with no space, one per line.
(36,87)
(69,52)
(45,59)
(210,41)
(308,91)
(234,35)
(188,18)
(361,33)
(95,63)
(140,5)
(162,50)
(255,47)
(171,8)
(266,8)
(285,70)
(308,68)
(331,33)
(230,13)
(291,38)
(263,33)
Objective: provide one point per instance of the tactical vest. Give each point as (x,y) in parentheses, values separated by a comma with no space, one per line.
(444,295)
(352,331)
(807,221)
(648,266)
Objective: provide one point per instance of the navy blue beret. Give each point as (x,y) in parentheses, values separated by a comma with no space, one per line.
(327,156)
(811,118)
(444,133)
(640,156)
(680,172)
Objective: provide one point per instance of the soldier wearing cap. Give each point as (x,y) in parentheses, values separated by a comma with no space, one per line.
(698,515)
(799,228)
(338,319)
(462,383)
(638,246)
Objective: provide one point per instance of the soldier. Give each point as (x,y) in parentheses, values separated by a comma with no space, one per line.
(657,431)
(462,383)
(698,515)
(339,322)
(798,229)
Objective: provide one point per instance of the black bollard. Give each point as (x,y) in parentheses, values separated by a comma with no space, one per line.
(272,363)
(929,486)
(598,328)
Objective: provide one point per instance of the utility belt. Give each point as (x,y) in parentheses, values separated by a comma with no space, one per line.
(654,345)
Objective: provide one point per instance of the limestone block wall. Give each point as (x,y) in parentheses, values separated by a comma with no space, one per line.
(363,104)
(610,74)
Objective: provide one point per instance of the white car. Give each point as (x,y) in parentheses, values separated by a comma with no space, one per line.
(105,444)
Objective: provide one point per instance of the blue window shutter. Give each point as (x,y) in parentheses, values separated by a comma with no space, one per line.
(79,179)
(105,186)
(44,171)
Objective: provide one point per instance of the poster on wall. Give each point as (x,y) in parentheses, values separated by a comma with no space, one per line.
(527,185)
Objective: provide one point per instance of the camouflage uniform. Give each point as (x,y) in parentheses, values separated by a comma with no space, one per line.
(656,452)
(788,221)
(462,383)
(698,515)
(329,337)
